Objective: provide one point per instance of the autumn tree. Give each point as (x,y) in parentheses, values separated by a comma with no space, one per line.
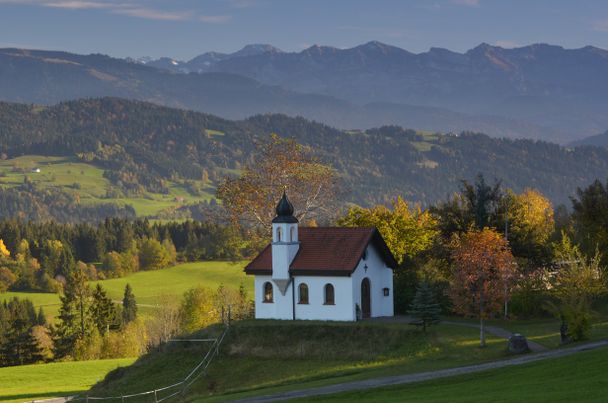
(578,281)
(277,165)
(529,224)
(483,272)
(406,231)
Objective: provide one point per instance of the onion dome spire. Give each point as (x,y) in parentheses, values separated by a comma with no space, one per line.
(284,211)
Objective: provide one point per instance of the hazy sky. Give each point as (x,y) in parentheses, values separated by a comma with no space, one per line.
(186,28)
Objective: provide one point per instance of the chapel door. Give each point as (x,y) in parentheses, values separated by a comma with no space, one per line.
(366,299)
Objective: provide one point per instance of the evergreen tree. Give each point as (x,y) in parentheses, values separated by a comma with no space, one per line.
(129,306)
(424,306)
(20,347)
(74,317)
(41,318)
(103,312)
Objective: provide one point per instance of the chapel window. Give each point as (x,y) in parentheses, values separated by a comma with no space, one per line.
(267,292)
(303,294)
(329,294)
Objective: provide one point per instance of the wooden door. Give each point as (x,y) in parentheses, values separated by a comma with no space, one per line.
(366,299)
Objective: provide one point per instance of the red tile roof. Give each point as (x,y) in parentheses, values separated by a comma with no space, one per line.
(326,251)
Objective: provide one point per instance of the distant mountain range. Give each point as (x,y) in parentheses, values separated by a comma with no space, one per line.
(537,91)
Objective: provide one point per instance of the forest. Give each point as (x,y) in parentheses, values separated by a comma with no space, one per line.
(141,146)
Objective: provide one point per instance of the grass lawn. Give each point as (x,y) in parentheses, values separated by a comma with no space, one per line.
(148,286)
(263,357)
(40,381)
(64,172)
(577,378)
(542,331)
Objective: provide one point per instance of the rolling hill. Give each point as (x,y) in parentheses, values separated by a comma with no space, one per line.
(140,149)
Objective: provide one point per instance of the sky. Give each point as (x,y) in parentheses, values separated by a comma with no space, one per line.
(182,29)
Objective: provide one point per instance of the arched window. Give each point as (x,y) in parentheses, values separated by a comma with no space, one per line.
(279,231)
(329,294)
(303,294)
(267,291)
(292,234)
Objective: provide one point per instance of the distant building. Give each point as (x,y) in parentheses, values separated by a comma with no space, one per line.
(322,273)
(36,170)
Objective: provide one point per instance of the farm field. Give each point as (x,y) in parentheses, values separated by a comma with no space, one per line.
(87,184)
(21,383)
(577,378)
(150,286)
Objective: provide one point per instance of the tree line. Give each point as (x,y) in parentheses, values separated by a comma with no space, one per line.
(41,256)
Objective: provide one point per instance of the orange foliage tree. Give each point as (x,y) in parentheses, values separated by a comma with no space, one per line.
(483,273)
(280,164)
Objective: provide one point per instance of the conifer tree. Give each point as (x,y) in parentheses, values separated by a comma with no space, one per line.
(103,312)
(129,306)
(20,347)
(424,307)
(41,318)
(74,316)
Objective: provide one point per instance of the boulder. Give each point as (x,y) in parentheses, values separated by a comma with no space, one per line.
(518,344)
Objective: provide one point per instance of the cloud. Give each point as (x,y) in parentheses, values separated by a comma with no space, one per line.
(135,9)
(506,43)
(215,19)
(468,3)
(151,14)
(78,5)
(601,25)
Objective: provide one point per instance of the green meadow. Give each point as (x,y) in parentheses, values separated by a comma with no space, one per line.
(87,184)
(43,381)
(150,286)
(576,378)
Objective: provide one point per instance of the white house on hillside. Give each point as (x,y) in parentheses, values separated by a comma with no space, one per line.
(322,273)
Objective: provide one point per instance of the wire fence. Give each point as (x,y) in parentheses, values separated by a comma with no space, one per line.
(165,393)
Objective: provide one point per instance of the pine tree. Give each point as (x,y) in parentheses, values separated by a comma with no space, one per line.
(424,306)
(103,312)
(129,306)
(41,318)
(20,347)
(74,317)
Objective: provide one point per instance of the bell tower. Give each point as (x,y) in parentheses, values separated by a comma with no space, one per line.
(285,242)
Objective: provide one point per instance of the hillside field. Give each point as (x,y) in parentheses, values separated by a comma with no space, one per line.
(262,357)
(87,184)
(43,381)
(577,378)
(149,286)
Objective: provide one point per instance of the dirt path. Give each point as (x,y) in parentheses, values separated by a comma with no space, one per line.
(424,376)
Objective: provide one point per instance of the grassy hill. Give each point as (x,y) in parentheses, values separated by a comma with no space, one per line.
(147,155)
(86,183)
(260,357)
(577,378)
(149,286)
(43,381)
